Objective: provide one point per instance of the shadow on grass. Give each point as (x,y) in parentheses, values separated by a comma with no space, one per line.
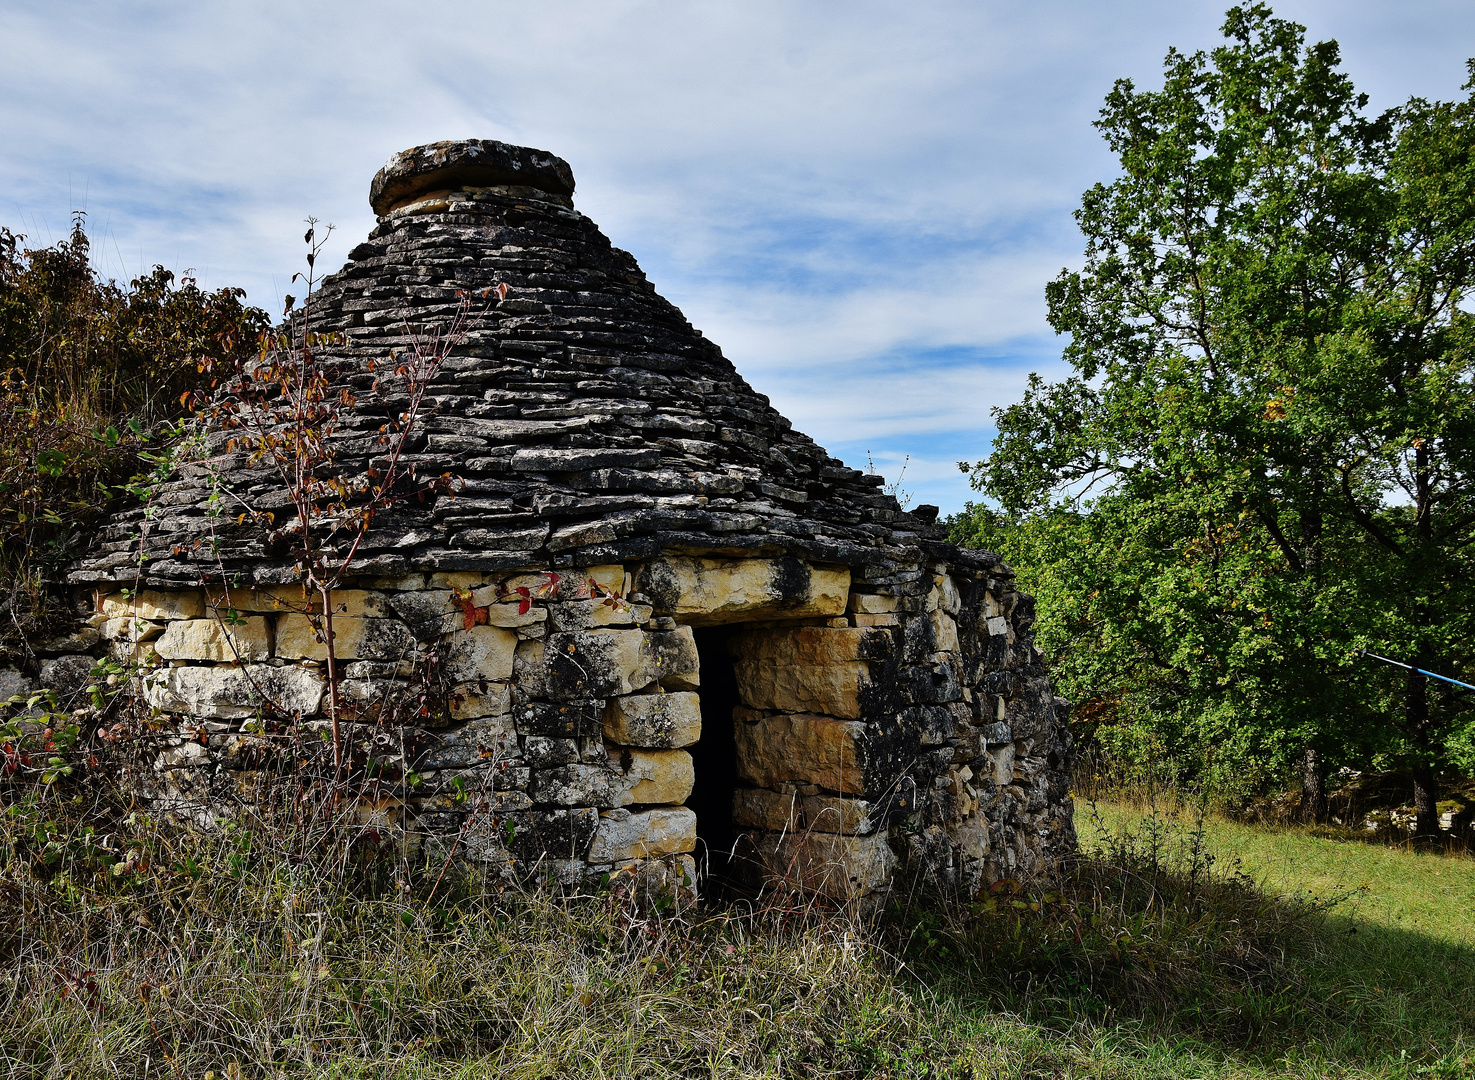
(1150,936)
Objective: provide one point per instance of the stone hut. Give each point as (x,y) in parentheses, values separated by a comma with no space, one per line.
(729,649)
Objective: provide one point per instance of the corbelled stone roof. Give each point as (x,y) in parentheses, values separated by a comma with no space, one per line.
(587,420)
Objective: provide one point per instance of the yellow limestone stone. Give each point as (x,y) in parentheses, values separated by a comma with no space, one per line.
(840,867)
(807,669)
(661,776)
(153,604)
(247,641)
(705,592)
(804,749)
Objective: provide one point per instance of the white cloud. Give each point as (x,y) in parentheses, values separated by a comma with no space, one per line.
(848,197)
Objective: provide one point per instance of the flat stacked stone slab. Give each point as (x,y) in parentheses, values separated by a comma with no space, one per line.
(611,463)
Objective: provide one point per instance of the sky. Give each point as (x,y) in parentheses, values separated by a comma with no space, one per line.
(860,202)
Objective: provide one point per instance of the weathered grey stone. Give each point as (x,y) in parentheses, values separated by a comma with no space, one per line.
(66,674)
(13,682)
(235,693)
(624,835)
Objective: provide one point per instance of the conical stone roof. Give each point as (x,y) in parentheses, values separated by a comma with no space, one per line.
(586,420)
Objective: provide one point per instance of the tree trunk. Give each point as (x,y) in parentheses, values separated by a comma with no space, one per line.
(1426,789)
(1313,788)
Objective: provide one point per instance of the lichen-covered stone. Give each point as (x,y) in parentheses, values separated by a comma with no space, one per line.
(624,835)
(483,652)
(657,721)
(704,592)
(234,693)
(353,639)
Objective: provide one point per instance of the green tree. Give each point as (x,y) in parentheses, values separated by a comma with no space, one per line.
(1268,439)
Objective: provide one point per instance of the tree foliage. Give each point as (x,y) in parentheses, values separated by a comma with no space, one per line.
(89,371)
(1263,462)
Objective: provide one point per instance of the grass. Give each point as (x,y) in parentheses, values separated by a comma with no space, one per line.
(1176,948)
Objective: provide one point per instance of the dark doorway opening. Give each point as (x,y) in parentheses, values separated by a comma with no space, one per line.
(714,760)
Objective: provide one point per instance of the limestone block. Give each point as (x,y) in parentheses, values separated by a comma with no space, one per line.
(706,592)
(759,808)
(840,867)
(209,639)
(871,604)
(489,739)
(528,668)
(546,752)
(610,576)
(998,626)
(581,785)
(353,639)
(624,835)
(674,656)
(14,682)
(877,620)
(84,638)
(944,595)
(944,631)
(560,720)
(1003,764)
(596,663)
(130,629)
(153,604)
(66,674)
(654,720)
(656,776)
(827,813)
(483,652)
(590,614)
(472,700)
(802,748)
(808,669)
(234,693)
(611,663)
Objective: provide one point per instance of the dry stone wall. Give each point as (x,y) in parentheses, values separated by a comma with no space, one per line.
(881,723)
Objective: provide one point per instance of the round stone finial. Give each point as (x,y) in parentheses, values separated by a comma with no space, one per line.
(466,163)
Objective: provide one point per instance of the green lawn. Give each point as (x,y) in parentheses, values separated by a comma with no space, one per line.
(1395,961)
